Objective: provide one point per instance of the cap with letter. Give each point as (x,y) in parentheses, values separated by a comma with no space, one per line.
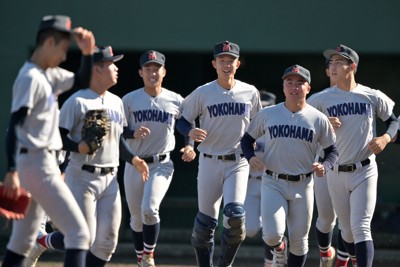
(343,51)
(299,71)
(57,22)
(105,53)
(226,48)
(152,56)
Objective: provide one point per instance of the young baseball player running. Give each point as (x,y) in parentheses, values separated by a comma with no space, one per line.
(224,107)
(352,183)
(91,173)
(326,219)
(287,194)
(33,139)
(252,203)
(151,113)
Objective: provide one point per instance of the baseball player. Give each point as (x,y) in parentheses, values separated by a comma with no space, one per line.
(151,113)
(352,183)
(33,139)
(326,219)
(92,175)
(252,203)
(287,184)
(224,107)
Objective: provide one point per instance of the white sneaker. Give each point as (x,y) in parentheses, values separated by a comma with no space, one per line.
(148,260)
(280,258)
(328,261)
(34,255)
(268,263)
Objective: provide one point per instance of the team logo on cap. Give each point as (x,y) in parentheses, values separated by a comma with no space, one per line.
(339,48)
(295,70)
(226,47)
(152,55)
(111,51)
(68,24)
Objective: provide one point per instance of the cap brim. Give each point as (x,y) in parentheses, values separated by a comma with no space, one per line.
(114,58)
(227,53)
(154,61)
(296,74)
(329,53)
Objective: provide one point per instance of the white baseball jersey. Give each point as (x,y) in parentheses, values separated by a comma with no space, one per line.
(72,118)
(358,108)
(285,131)
(223,113)
(38,89)
(159,114)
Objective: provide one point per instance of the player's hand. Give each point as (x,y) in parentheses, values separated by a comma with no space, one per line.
(142,132)
(188,153)
(336,123)
(257,164)
(142,167)
(83,147)
(85,40)
(319,169)
(378,144)
(197,134)
(11,185)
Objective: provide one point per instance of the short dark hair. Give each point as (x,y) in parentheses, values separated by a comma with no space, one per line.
(57,35)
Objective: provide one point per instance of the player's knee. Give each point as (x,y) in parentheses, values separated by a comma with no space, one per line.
(272,239)
(299,246)
(251,231)
(325,225)
(136,223)
(234,218)
(104,246)
(150,216)
(203,231)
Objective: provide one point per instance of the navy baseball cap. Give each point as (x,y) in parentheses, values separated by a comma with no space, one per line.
(57,22)
(299,71)
(105,53)
(226,48)
(152,56)
(343,51)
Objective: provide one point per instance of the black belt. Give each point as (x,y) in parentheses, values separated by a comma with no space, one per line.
(92,169)
(352,167)
(24,150)
(257,177)
(151,158)
(230,157)
(288,177)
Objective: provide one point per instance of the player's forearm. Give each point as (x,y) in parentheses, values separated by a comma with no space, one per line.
(247,144)
(184,126)
(68,144)
(392,126)
(125,152)
(331,156)
(11,139)
(83,75)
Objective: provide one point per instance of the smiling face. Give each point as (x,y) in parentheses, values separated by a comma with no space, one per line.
(226,66)
(153,75)
(295,88)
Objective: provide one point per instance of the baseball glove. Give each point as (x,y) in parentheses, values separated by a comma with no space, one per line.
(95,127)
(14,209)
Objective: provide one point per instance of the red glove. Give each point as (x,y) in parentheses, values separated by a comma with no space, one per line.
(14,209)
